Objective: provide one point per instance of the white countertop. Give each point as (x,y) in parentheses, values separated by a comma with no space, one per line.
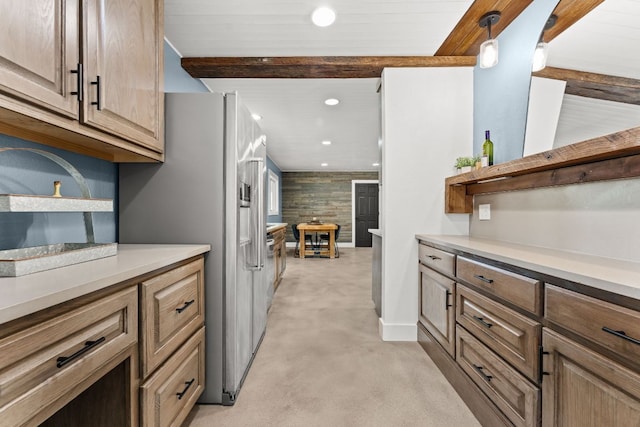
(21,296)
(608,274)
(272,226)
(375,232)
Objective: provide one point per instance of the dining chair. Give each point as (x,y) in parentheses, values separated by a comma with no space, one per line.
(325,237)
(296,235)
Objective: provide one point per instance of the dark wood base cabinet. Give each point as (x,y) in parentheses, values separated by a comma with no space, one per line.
(482,407)
(525,349)
(584,388)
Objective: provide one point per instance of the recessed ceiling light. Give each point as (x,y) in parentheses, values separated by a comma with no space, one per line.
(326,142)
(324,165)
(376,164)
(323,16)
(256,116)
(332,101)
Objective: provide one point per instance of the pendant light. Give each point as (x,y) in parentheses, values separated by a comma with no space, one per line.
(489,48)
(542,48)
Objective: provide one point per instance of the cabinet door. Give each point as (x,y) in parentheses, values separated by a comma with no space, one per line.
(123,60)
(436,307)
(38,49)
(583,388)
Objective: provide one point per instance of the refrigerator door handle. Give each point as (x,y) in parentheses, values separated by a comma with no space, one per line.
(257,220)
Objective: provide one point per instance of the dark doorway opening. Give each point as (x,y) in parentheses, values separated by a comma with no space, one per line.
(366,213)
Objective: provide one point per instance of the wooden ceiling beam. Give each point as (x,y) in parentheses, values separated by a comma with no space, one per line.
(313,67)
(569,12)
(466,37)
(593,85)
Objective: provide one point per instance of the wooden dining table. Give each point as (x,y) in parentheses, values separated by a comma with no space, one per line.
(307,227)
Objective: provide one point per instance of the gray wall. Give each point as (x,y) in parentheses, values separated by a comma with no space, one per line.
(29,173)
(325,195)
(176,79)
(597,218)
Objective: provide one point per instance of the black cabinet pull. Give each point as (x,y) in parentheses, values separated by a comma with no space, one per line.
(183,392)
(97,84)
(433,257)
(480,370)
(64,360)
(484,323)
(79,79)
(446,300)
(484,279)
(184,307)
(541,362)
(621,334)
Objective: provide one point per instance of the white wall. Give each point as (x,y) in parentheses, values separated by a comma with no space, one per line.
(427,116)
(545,100)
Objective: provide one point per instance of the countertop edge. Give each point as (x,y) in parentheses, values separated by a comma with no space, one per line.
(21,296)
(375,232)
(276,227)
(612,275)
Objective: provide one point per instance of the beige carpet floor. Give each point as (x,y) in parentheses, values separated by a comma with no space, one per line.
(322,362)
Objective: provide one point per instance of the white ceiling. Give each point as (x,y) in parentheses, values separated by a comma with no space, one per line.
(295,118)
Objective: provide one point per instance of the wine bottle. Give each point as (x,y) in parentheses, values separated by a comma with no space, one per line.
(487,148)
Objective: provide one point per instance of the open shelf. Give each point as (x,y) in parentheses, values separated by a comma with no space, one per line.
(613,156)
(31,203)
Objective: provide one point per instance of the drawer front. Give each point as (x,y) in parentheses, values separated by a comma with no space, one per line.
(519,290)
(173,308)
(614,327)
(170,393)
(516,397)
(437,259)
(511,335)
(437,314)
(41,364)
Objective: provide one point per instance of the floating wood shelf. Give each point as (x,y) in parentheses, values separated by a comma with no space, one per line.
(614,156)
(34,203)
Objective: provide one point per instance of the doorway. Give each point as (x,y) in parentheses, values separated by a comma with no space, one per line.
(365,208)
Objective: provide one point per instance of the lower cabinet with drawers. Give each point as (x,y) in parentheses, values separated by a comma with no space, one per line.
(524,349)
(172,344)
(129,354)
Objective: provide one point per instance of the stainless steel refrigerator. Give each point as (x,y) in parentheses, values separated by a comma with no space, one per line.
(210,189)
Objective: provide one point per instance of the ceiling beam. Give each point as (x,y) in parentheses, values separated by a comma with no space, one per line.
(569,12)
(592,85)
(313,67)
(466,37)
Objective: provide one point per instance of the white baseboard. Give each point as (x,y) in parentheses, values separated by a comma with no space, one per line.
(397,331)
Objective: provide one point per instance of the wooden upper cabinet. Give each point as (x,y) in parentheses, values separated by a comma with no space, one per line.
(39,46)
(85,76)
(123,69)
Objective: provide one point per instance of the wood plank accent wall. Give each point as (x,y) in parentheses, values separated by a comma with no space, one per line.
(325,195)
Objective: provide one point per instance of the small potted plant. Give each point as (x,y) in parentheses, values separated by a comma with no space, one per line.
(464,164)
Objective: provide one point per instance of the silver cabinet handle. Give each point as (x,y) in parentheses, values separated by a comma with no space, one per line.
(258,233)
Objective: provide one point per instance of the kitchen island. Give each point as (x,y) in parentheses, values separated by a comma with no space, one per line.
(531,335)
(101,342)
